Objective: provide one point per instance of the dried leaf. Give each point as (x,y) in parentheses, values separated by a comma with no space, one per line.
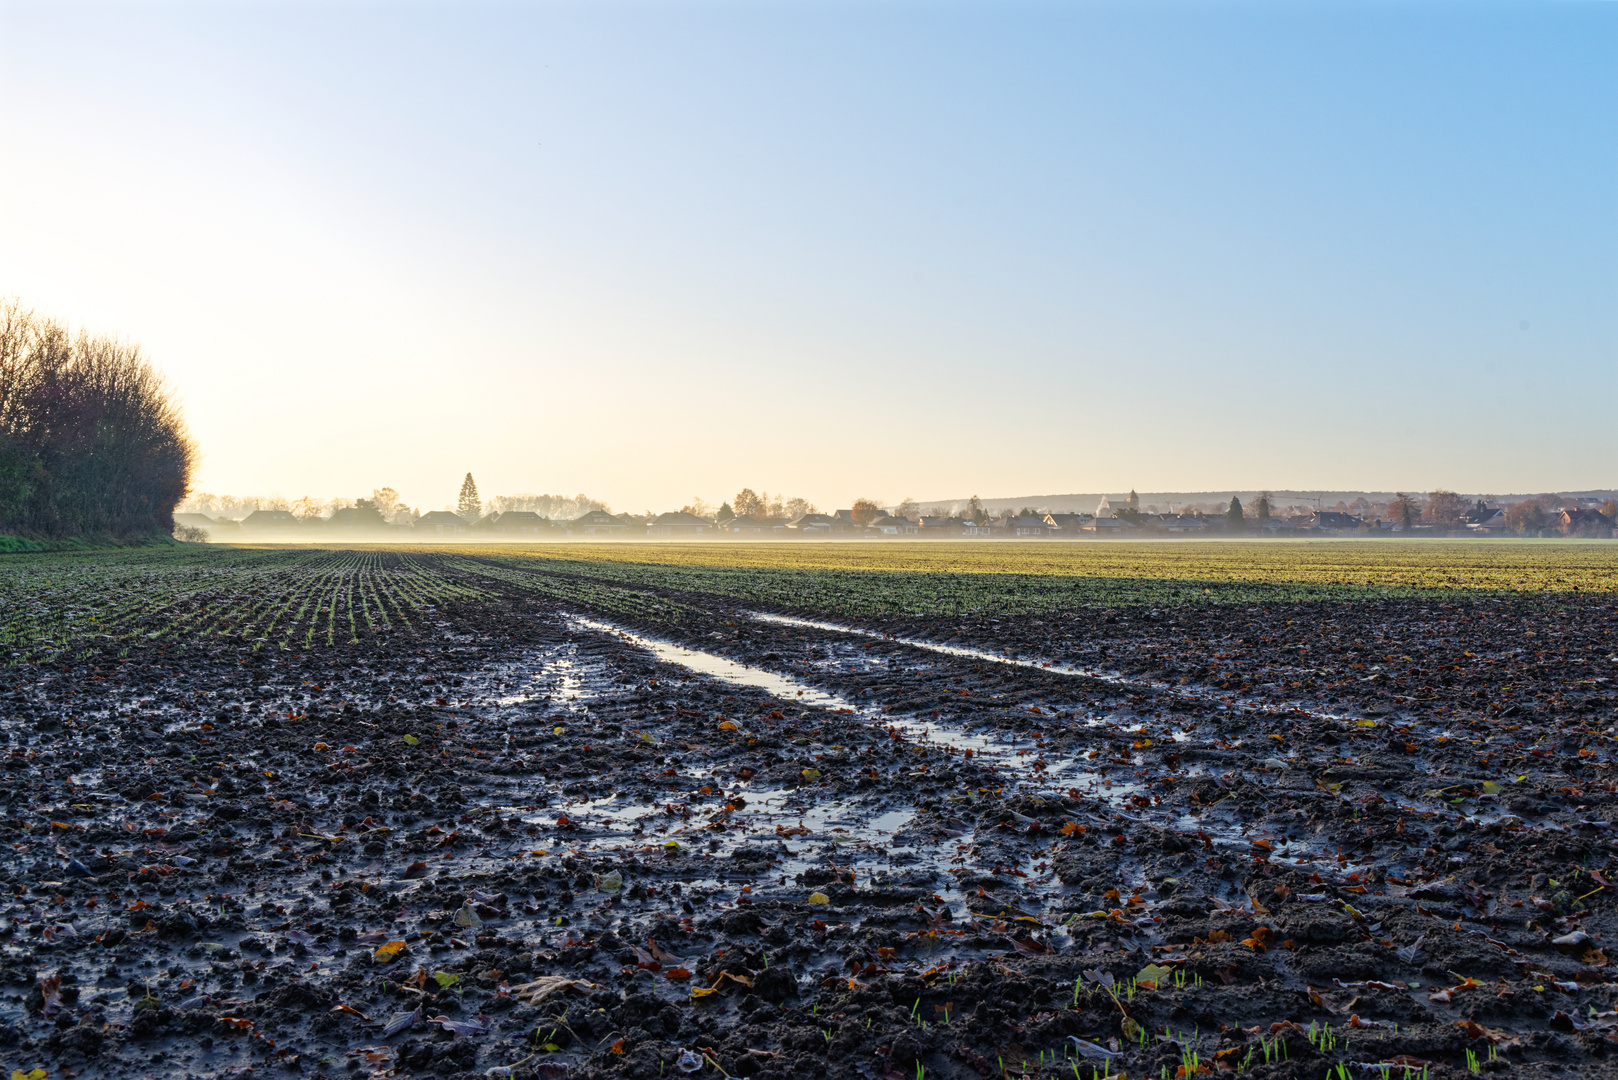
(400,1022)
(536,992)
(51,989)
(388,953)
(461,1027)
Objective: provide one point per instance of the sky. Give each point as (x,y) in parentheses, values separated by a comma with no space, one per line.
(651,251)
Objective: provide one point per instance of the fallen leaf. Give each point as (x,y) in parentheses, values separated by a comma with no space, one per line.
(386,954)
(51,990)
(543,987)
(465,1028)
(400,1022)
(819,898)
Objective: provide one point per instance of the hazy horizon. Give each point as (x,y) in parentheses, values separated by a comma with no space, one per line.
(650,252)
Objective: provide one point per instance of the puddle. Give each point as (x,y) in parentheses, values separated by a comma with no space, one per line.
(1107,783)
(722,669)
(1224,702)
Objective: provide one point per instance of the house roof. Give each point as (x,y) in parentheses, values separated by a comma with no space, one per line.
(888,521)
(678,517)
(599,518)
(513,517)
(440,517)
(810,520)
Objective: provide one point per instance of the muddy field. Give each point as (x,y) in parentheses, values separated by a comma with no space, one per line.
(535,837)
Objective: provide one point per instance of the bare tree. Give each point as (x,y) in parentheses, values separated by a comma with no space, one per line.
(386,501)
(747,503)
(1525,518)
(307,509)
(797,507)
(1445,509)
(91,438)
(1403,509)
(865,511)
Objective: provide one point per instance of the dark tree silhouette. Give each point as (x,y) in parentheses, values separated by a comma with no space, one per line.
(91,442)
(469,506)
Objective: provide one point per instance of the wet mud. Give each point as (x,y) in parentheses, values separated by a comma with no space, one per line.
(536,839)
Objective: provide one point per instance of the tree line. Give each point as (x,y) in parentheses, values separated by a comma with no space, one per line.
(91,440)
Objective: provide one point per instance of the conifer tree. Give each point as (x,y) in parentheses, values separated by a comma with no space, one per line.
(468,505)
(1234,519)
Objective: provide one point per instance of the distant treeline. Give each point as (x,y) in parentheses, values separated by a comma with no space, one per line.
(91,442)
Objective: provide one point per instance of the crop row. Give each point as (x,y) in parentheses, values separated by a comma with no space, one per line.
(64,605)
(586,593)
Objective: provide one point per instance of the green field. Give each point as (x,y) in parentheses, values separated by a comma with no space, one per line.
(1015,578)
(63,603)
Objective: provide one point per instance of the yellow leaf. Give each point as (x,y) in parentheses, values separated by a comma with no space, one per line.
(411,739)
(387,953)
(819,898)
(31,1074)
(728,725)
(1366,723)
(702,991)
(1491,788)
(811,774)
(557,730)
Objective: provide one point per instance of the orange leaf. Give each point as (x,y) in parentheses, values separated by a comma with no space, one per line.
(389,952)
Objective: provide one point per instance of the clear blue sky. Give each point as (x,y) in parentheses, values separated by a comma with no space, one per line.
(650,251)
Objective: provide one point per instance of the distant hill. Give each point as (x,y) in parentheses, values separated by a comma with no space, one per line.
(1164,501)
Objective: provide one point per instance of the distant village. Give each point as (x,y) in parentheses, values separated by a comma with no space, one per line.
(752,516)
